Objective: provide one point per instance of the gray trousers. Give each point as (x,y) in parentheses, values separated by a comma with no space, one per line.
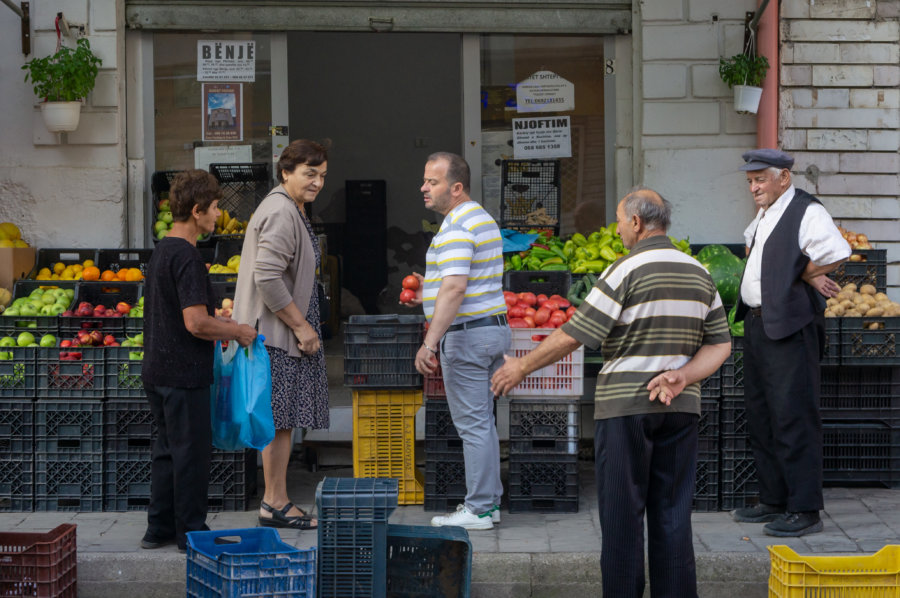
(468,359)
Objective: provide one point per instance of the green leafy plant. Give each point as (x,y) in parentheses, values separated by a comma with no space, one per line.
(743,69)
(67,76)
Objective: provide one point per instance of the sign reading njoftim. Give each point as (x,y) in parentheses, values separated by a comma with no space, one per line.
(545,91)
(226,60)
(542,137)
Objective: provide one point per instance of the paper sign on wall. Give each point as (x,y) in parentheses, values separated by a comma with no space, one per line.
(222,154)
(542,137)
(226,60)
(545,91)
(222,112)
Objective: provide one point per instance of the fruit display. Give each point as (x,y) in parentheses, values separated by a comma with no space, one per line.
(856,241)
(11,236)
(41,302)
(227,224)
(85,309)
(25,339)
(164,219)
(863,301)
(5,298)
(410,285)
(527,310)
(136,311)
(86,270)
(231,266)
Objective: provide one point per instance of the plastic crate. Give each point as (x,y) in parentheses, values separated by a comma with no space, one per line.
(434,383)
(445,480)
(428,562)
(68,427)
(738,486)
(232,480)
(248,562)
(710,419)
(520,504)
(706,486)
(39,564)
(854,393)
(222,290)
(128,424)
(226,248)
(831,352)
(798,576)
(244,186)
(384,439)
(861,453)
(733,369)
(356,499)
(123,374)
(541,482)
(871,269)
(17,482)
(116,259)
(68,482)
(565,378)
(18,375)
(537,282)
(440,432)
(48,256)
(733,416)
(711,388)
(540,426)
(16,426)
(71,379)
(38,325)
(380,351)
(126,480)
(108,294)
(527,185)
(870,341)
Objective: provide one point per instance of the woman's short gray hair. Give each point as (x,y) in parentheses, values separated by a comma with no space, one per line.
(651,207)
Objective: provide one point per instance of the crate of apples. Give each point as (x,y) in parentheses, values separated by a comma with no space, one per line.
(90,338)
(527,310)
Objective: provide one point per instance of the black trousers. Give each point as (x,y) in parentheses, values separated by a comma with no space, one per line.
(179,472)
(647,463)
(781,395)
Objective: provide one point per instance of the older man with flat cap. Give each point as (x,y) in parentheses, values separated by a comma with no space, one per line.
(792,245)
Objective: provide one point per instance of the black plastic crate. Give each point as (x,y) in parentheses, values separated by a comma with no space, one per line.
(428,561)
(18,372)
(116,259)
(543,504)
(356,499)
(711,388)
(708,426)
(17,481)
(706,487)
(48,256)
(40,324)
(352,558)
(733,370)
(870,341)
(232,480)
(223,290)
(16,426)
(527,186)
(445,480)
(542,426)
(244,186)
(126,479)
(440,433)
(544,483)
(79,378)
(68,482)
(855,393)
(831,352)
(738,486)
(380,351)
(861,452)
(551,282)
(107,294)
(123,374)
(68,427)
(128,424)
(871,269)
(733,416)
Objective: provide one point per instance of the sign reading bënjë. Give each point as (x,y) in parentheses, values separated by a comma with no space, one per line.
(226,60)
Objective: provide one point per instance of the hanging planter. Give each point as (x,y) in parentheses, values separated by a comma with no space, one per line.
(746,98)
(63,80)
(744,73)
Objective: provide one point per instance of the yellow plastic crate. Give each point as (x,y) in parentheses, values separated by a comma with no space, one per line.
(873,576)
(384,439)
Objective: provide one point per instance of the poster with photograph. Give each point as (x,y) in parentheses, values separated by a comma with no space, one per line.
(222,112)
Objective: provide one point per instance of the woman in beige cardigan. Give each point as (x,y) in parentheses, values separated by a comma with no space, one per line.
(276,293)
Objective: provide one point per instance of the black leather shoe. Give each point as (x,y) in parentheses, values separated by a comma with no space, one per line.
(149,541)
(761,513)
(793,525)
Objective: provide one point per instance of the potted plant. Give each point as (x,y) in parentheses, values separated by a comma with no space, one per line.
(744,73)
(63,80)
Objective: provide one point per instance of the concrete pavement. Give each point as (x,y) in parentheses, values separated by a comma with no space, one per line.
(529,554)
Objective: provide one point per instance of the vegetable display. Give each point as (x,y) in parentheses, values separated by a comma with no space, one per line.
(726,270)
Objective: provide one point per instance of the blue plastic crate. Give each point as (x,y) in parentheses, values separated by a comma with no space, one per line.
(380,351)
(241,563)
(356,499)
(428,562)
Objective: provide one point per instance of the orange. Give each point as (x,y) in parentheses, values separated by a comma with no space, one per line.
(108,275)
(90,273)
(122,274)
(134,275)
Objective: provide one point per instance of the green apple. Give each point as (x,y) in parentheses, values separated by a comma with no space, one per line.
(37,293)
(57,308)
(159,225)
(48,298)
(25,339)
(46,310)
(6,355)
(70,293)
(8,341)
(12,311)
(166,217)
(59,293)
(28,310)
(48,340)
(31,324)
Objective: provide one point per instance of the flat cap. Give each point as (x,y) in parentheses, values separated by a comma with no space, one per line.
(759,159)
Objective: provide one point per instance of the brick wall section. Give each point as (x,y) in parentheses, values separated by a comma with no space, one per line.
(840,113)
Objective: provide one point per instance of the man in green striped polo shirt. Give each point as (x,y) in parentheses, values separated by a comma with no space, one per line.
(662,328)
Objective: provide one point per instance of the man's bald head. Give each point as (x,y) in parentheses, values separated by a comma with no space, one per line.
(652,208)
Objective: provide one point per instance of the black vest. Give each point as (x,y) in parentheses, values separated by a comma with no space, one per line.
(788,303)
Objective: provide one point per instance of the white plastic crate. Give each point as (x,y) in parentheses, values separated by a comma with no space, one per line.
(565,378)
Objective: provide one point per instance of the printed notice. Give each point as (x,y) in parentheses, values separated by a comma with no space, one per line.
(545,91)
(222,112)
(226,60)
(543,137)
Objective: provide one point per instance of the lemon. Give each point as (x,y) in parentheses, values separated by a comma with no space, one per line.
(67,272)
(58,267)
(6,243)
(54,277)
(11,230)
(42,276)
(87,263)
(44,272)
(77,268)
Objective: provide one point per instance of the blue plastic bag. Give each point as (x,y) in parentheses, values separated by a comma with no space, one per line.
(242,402)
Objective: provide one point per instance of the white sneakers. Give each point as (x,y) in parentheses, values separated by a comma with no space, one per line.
(468,520)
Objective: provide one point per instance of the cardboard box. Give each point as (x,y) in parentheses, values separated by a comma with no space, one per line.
(15,263)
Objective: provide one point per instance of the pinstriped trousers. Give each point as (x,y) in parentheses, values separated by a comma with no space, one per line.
(646,463)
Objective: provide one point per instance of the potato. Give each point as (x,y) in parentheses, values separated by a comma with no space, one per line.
(830,314)
(846,304)
(855,257)
(831,301)
(844,295)
(857,299)
(875,312)
(892,311)
(837,310)
(881,297)
(870,299)
(867,289)
(850,286)
(874,325)
(852,313)
(862,307)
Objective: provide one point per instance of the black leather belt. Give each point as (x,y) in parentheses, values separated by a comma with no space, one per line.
(756,311)
(495,320)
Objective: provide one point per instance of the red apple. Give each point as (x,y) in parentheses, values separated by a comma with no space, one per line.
(68,313)
(84,310)
(65,343)
(99,309)
(113,344)
(84,338)
(122,307)
(109,340)
(96,337)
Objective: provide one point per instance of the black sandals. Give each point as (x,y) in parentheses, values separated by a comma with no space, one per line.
(279,518)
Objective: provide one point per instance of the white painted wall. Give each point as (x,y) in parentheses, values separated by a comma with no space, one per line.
(63,192)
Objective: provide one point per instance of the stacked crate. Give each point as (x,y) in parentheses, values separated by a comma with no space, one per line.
(379,364)
(706,489)
(445,469)
(737,472)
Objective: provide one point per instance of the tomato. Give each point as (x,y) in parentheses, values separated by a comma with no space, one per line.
(557,298)
(542,315)
(530,311)
(570,311)
(410,282)
(547,325)
(540,299)
(528,298)
(510,298)
(529,320)
(515,311)
(518,323)
(523,305)
(551,305)
(558,317)
(407,295)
